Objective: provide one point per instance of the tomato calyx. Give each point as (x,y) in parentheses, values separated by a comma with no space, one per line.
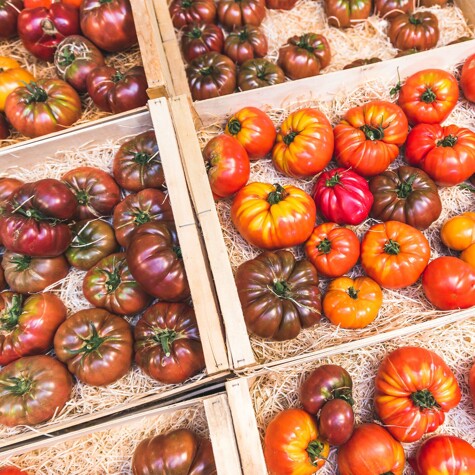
(113,280)
(289,138)
(314,450)
(165,338)
(352,292)
(83,197)
(405,188)
(333,181)
(282,289)
(414,21)
(117,77)
(243,35)
(142,158)
(177,251)
(207,71)
(428,96)
(37,93)
(142,217)
(21,262)
(102,2)
(9,318)
(392,247)
(448,141)
(325,246)
(303,43)
(372,133)
(343,393)
(18,386)
(195,33)
(48,27)
(66,56)
(423,399)
(91,344)
(277,195)
(234,126)
(187,3)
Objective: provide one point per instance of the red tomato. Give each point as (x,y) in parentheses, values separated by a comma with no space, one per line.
(471,382)
(12,471)
(72,3)
(9,11)
(467,79)
(37,3)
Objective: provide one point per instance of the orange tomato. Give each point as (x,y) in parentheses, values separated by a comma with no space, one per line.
(11,77)
(352,303)
(458,233)
(468,255)
(72,3)
(37,3)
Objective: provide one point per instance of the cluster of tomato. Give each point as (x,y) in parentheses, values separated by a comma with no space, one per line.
(393,253)
(50,224)
(414,388)
(51,31)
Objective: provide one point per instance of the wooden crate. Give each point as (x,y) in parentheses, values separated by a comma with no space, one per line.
(75,149)
(256,399)
(317,92)
(107,448)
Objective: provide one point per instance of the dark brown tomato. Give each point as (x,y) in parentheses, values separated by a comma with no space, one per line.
(7,187)
(4,128)
(362,62)
(9,11)
(167,343)
(280,4)
(336,422)
(345,13)
(201,38)
(235,13)
(96,346)
(184,12)
(419,31)
(3,282)
(245,43)
(259,72)
(388,9)
(432,3)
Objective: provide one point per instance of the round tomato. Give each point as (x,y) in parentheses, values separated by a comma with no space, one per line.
(245,43)
(405,194)
(414,390)
(345,13)
(336,422)
(352,303)
(368,138)
(254,131)
(259,72)
(414,30)
(388,9)
(292,444)
(43,107)
(458,233)
(10,470)
(32,390)
(446,154)
(361,62)
(9,11)
(184,12)
(468,255)
(7,187)
(235,13)
(279,295)
(342,196)
(110,285)
(25,274)
(467,78)
(273,216)
(449,283)
(332,250)
(371,450)
(428,96)
(304,144)
(182,450)
(228,166)
(201,38)
(12,75)
(28,327)
(167,343)
(96,346)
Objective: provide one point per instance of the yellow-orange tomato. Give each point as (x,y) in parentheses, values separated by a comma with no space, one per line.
(352,303)
(468,255)
(458,233)
(11,77)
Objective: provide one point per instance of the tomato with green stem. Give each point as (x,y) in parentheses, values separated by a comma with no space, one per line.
(201,38)
(236,13)
(346,13)
(418,30)
(184,12)
(245,43)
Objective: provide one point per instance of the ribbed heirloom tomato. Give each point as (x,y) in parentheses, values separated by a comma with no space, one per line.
(245,43)
(184,12)
(418,30)
(201,38)
(467,79)
(390,8)
(345,13)
(235,13)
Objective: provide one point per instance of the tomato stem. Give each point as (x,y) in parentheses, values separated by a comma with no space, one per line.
(187,3)
(424,399)
(352,292)
(102,2)
(19,386)
(243,34)
(37,93)
(142,158)
(234,126)
(448,141)
(289,138)
(314,451)
(195,33)
(117,76)
(373,133)
(277,195)
(325,246)
(428,96)
(113,280)
(207,71)
(177,251)
(48,27)
(21,262)
(392,247)
(82,197)
(67,57)
(9,319)
(92,343)
(413,20)
(333,181)
(405,188)
(281,289)
(165,338)
(304,44)
(141,217)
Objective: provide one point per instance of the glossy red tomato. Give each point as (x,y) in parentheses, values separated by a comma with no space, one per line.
(9,11)
(418,30)
(245,43)
(184,12)
(336,422)
(235,13)
(201,38)
(467,78)
(388,9)
(7,187)
(345,13)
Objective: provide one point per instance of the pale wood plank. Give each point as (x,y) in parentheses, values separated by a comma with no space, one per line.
(177,67)
(165,23)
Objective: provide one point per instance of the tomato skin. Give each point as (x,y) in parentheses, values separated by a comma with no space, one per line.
(370,450)
(280,4)
(471,382)
(245,43)
(458,232)
(273,216)
(27,327)
(467,81)
(428,96)
(289,289)
(7,187)
(332,250)
(184,12)
(345,13)
(336,422)
(468,255)
(96,345)
(342,196)
(449,283)
(362,62)
(446,154)
(12,75)
(388,9)
(201,38)
(287,438)
(234,13)
(259,72)
(417,30)
(9,11)
(414,390)
(394,254)
(304,144)
(4,127)
(12,471)
(228,165)
(167,343)
(368,138)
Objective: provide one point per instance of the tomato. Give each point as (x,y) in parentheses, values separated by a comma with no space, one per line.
(9,11)
(7,187)
(92,241)
(467,78)
(254,130)
(405,194)
(75,58)
(43,107)
(414,390)
(332,250)
(245,43)
(228,166)
(368,138)
(181,451)
(137,164)
(96,345)
(4,127)
(34,222)
(304,56)
(184,12)
(471,382)
(428,96)
(336,422)
(279,295)
(167,343)
(32,390)
(109,24)
(304,144)
(114,91)
(235,13)
(110,285)
(362,62)
(388,9)
(352,303)
(449,283)
(345,13)
(342,196)
(211,75)
(458,232)
(96,191)
(25,274)
(280,4)
(292,444)
(73,3)
(371,450)
(10,470)
(259,72)
(12,75)
(201,38)
(38,3)
(432,3)
(414,30)
(446,154)
(41,29)
(273,216)
(468,255)
(394,254)
(28,327)
(155,260)
(140,208)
